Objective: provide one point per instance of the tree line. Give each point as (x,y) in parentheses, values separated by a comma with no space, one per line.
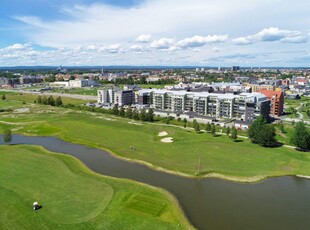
(135,114)
(49,100)
(264,134)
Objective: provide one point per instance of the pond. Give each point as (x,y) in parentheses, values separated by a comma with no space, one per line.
(278,203)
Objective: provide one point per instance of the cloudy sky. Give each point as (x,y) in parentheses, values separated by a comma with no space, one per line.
(155,32)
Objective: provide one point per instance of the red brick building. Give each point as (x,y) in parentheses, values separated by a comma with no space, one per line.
(277,101)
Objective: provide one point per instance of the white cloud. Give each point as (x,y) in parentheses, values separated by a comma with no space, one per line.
(84,32)
(113,49)
(275,34)
(198,41)
(296,39)
(243,41)
(163,43)
(91,47)
(216,49)
(272,34)
(102,23)
(137,48)
(18,46)
(144,38)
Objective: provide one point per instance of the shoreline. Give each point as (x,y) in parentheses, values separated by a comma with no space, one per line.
(215,175)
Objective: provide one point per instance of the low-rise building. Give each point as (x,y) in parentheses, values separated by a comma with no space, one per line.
(75,83)
(258,87)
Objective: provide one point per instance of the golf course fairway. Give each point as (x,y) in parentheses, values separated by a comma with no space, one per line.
(74,197)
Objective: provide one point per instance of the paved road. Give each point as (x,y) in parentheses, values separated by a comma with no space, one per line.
(76,96)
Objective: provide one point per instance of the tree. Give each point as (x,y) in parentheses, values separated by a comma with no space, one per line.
(44,101)
(39,100)
(281,127)
(122,111)
(135,114)
(208,127)
(51,101)
(7,136)
(234,134)
(72,77)
(267,137)
(128,112)
(184,122)
(150,115)
(227,130)
(213,131)
(115,109)
(301,137)
(262,133)
(196,126)
(142,115)
(3,97)
(58,101)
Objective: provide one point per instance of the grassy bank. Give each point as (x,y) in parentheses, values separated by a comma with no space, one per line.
(140,141)
(73,197)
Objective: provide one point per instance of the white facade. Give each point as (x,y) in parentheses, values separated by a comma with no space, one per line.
(74,83)
(112,96)
(229,106)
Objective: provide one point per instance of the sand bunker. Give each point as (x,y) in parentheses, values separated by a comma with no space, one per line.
(167,140)
(22,110)
(106,118)
(162,134)
(134,123)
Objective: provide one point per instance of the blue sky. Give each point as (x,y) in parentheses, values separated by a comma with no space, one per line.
(155,32)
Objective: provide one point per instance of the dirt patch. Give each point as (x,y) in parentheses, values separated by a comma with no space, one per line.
(167,140)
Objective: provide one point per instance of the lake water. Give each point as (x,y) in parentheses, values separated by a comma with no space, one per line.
(279,203)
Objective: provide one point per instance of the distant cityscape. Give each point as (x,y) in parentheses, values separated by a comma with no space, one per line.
(206,94)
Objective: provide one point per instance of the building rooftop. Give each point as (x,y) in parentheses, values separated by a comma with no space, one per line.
(269,93)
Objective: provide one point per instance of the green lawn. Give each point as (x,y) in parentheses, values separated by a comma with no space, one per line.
(83,91)
(218,154)
(296,103)
(18,98)
(147,86)
(73,197)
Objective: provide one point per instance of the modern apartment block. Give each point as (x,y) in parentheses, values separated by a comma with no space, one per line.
(277,101)
(115,96)
(245,106)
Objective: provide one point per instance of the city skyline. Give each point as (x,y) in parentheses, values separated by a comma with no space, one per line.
(170,33)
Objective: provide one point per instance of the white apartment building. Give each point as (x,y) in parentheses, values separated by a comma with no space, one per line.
(114,96)
(244,106)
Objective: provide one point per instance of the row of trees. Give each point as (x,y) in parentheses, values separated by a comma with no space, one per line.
(265,134)
(231,132)
(142,115)
(49,101)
